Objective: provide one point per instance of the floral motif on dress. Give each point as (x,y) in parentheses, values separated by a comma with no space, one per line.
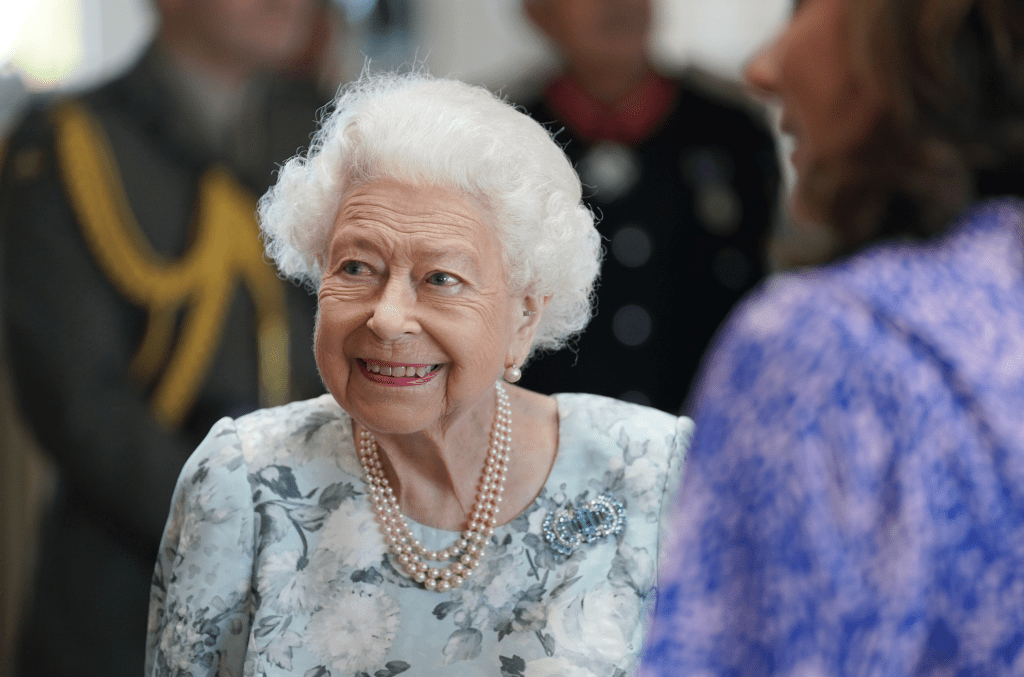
(304,585)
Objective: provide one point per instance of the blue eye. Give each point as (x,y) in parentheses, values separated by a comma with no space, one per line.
(441,279)
(354,267)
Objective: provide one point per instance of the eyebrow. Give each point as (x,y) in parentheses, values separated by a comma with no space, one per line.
(456,256)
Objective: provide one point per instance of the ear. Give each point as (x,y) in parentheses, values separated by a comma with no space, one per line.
(527,320)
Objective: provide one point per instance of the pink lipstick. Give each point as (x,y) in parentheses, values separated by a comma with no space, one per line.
(397,381)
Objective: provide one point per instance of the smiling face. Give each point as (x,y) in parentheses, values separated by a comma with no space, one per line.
(827,106)
(414,285)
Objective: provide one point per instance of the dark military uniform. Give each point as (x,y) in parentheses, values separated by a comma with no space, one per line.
(684,186)
(139,311)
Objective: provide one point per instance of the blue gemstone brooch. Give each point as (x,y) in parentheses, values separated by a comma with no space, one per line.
(567,529)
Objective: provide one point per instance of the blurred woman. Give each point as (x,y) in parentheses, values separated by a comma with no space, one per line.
(854,497)
(423,515)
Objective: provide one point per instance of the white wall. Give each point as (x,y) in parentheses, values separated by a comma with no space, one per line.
(718,34)
(73,44)
(491,42)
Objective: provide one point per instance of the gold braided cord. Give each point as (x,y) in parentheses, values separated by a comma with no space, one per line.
(226,251)
(223,201)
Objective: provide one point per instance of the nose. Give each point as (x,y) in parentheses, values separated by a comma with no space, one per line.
(394,311)
(761,73)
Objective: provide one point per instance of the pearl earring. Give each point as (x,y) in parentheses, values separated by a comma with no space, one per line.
(513,373)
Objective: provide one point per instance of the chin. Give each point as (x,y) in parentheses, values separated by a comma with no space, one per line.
(390,410)
(397,421)
(798,210)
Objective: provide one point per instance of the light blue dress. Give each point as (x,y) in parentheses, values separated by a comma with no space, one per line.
(272,562)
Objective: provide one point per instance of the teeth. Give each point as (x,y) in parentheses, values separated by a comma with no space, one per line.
(401,371)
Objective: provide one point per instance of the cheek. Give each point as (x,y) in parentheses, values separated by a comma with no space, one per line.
(833,116)
(482,340)
(329,341)
(325,357)
(831,103)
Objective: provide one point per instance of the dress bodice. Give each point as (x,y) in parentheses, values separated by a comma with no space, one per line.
(273,562)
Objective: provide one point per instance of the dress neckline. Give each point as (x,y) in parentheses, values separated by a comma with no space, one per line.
(428,534)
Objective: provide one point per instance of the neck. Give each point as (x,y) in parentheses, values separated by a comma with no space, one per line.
(194,55)
(435,474)
(608,82)
(210,101)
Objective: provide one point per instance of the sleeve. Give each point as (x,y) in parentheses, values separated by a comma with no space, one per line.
(771,531)
(71,339)
(201,601)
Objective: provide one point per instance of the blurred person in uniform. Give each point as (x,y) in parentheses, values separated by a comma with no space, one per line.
(22,471)
(683,181)
(139,308)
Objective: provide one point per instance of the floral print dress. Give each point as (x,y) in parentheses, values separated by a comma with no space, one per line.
(272,562)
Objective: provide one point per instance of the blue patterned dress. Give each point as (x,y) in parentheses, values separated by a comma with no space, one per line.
(854,497)
(272,562)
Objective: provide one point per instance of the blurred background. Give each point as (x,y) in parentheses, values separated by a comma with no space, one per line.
(57,48)
(51,46)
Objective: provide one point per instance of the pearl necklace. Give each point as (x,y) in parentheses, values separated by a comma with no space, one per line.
(469,548)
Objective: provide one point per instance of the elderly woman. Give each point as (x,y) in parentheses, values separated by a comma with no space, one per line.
(424,515)
(854,497)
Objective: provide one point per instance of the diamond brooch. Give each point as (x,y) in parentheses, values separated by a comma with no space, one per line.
(568,528)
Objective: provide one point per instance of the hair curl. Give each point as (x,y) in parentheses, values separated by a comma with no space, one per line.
(952,75)
(421,130)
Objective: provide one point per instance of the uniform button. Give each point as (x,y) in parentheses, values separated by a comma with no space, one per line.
(718,208)
(631,246)
(611,169)
(632,325)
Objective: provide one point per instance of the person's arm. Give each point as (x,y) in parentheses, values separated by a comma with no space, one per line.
(201,602)
(71,338)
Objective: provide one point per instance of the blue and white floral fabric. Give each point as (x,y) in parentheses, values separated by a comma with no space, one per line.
(854,498)
(272,562)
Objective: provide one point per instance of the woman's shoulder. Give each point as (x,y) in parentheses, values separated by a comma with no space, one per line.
(907,278)
(608,446)
(611,424)
(883,293)
(794,318)
(296,434)
(608,408)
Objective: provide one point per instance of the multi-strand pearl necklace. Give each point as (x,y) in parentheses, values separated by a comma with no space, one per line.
(469,548)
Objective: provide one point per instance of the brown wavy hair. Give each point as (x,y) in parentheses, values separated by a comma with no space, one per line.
(952,75)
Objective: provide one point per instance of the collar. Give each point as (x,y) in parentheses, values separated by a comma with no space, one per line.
(629,120)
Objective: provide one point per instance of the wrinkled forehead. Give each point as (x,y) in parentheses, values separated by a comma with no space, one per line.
(392,189)
(427,220)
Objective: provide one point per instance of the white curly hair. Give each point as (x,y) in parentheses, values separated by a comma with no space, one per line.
(417,129)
